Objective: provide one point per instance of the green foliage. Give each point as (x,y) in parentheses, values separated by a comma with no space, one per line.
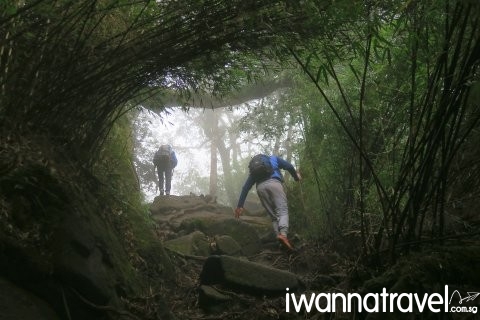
(8,8)
(378,123)
(377,147)
(106,53)
(126,209)
(115,168)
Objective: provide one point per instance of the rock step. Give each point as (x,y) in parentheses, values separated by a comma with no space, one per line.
(249,277)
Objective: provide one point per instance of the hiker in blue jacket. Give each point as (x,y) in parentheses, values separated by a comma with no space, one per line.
(265,173)
(165,160)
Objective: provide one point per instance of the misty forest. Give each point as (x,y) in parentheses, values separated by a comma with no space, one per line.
(375,103)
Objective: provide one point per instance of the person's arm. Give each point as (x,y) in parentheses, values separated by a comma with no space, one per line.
(285,165)
(174,160)
(243,196)
(245,189)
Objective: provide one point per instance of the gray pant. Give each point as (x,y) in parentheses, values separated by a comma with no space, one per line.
(274,200)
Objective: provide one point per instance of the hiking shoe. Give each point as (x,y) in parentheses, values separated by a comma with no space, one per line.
(284,241)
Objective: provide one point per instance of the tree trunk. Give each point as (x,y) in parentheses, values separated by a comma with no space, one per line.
(227,172)
(213,170)
(213,134)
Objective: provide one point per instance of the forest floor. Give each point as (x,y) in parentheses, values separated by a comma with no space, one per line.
(306,262)
(49,214)
(330,267)
(322,270)
(317,265)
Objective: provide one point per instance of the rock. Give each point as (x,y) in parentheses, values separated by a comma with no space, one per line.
(195,243)
(262,224)
(171,212)
(89,261)
(212,300)
(17,303)
(155,254)
(247,276)
(243,233)
(86,257)
(89,276)
(80,263)
(164,205)
(85,260)
(253,206)
(185,214)
(227,245)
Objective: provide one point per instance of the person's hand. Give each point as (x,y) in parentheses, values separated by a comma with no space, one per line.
(238,212)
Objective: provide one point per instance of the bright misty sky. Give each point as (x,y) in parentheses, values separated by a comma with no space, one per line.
(176,128)
(170,129)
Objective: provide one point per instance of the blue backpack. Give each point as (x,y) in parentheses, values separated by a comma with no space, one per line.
(260,167)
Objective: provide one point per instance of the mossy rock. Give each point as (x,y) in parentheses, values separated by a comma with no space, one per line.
(17,303)
(200,222)
(243,233)
(247,276)
(195,243)
(211,300)
(227,245)
(88,256)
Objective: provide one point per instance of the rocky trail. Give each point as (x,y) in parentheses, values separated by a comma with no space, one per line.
(231,268)
(191,259)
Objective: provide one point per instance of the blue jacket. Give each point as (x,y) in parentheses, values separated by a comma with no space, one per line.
(277,164)
(173,160)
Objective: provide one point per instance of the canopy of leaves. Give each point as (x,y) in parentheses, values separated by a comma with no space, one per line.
(399,92)
(68,68)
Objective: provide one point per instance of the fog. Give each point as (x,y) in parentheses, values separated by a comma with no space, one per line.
(173,127)
(236,133)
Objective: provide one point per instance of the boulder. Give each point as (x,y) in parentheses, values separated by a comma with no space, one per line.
(262,224)
(165,205)
(247,276)
(227,245)
(253,206)
(171,212)
(195,243)
(87,256)
(212,300)
(243,233)
(85,260)
(17,303)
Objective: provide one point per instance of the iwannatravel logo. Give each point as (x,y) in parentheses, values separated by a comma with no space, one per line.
(381,302)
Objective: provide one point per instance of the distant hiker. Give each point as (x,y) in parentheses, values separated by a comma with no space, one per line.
(165,161)
(265,173)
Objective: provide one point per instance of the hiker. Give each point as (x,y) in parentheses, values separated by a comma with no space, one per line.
(165,161)
(264,171)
